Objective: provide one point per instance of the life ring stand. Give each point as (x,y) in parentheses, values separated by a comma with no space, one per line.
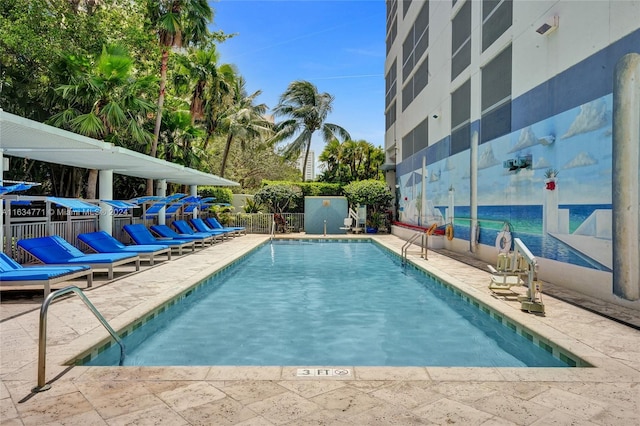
(448,232)
(432,229)
(503,241)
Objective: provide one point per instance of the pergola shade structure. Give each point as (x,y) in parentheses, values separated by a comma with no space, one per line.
(21,137)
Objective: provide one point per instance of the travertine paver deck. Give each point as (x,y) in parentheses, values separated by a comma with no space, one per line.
(608,394)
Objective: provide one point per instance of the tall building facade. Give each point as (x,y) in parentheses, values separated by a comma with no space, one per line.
(521,117)
(310,171)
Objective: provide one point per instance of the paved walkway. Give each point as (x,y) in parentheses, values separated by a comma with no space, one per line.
(607,394)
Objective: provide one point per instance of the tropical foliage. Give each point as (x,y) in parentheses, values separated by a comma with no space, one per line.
(305,111)
(278,198)
(350,160)
(146,75)
(375,194)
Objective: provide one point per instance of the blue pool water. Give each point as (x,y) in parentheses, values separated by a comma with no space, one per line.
(325,303)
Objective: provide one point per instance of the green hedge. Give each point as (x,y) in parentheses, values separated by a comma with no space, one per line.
(222,195)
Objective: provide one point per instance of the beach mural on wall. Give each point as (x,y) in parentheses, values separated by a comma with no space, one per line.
(550,183)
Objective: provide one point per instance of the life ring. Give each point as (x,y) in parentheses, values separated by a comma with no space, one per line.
(448,232)
(432,229)
(503,242)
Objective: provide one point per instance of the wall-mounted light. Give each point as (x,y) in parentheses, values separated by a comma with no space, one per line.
(549,25)
(520,162)
(435,116)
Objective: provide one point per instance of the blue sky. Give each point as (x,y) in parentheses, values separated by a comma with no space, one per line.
(337,45)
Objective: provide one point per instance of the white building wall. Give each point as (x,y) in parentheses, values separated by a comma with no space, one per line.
(310,171)
(585,28)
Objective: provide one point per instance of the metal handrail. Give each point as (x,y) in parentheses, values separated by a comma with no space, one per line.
(42,339)
(405,247)
(273,229)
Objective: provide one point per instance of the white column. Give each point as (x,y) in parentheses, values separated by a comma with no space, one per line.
(193,191)
(105,192)
(473,184)
(161,190)
(550,213)
(2,205)
(423,201)
(626,171)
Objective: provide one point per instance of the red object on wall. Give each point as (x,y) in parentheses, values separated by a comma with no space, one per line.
(551,185)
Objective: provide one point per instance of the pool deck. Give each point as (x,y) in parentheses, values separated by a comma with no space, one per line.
(607,394)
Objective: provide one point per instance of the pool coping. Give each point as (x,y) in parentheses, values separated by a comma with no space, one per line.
(617,367)
(557,350)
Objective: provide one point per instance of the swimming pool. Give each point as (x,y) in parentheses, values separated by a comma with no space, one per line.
(327,303)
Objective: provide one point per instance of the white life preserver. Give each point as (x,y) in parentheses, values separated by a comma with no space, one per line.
(503,242)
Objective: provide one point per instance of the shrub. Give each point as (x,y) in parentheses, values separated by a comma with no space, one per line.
(373,193)
(222,195)
(279,198)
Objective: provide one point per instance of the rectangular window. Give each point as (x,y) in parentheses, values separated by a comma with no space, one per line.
(461,105)
(461,118)
(416,42)
(407,145)
(392,5)
(497,17)
(496,96)
(407,94)
(390,116)
(421,136)
(405,7)
(421,77)
(392,34)
(461,40)
(391,83)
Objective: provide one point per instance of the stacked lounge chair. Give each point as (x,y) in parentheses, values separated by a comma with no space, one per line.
(102,242)
(54,250)
(183,227)
(13,274)
(165,232)
(139,234)
(200,226)
(214,224)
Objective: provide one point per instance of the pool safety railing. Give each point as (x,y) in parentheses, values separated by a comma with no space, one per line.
(42,336)
(273,230)
(423,250)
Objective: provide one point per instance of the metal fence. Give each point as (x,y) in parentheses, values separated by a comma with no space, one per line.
(260,223)
(22,228)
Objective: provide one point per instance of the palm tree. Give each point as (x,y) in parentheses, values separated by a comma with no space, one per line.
(103,100)
(307,111)
(244,120)
(210,86)
(178,23)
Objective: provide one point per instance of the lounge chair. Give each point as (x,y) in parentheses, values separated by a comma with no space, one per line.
(13,274)
(183,227)
(200,226)
(101,242)
(56,251)
(214,224)
(139,234)
(165,232)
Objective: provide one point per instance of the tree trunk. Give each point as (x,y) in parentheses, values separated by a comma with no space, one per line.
(227,148)
(92,182)
(156,130)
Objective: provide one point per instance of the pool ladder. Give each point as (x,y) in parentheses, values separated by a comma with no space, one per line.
(412,240)
(42,335)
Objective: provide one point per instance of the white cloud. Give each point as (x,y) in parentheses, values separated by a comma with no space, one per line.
(527,138)
(583,159)
(487,159)
(542,163)
(592,116)
(449,165)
